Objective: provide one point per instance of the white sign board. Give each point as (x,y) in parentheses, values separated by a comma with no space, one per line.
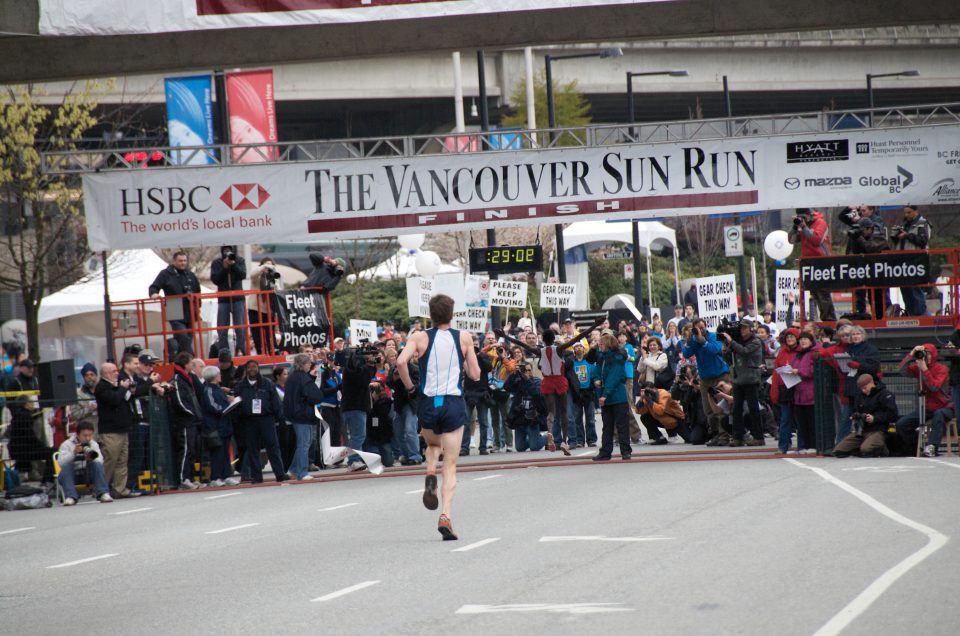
(472,319)
(717,298)
(419,292)
(788,282)
(628,271)
(559,295)
(508,293)
(362,330)
(477,291)
(733,240)
(297,202)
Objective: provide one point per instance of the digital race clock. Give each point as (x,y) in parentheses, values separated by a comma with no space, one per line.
(506,259)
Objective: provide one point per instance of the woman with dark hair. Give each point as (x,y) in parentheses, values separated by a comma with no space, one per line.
(803,396)
(613,399)
(779,393)
(285,433)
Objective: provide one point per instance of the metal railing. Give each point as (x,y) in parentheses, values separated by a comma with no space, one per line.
(112,159)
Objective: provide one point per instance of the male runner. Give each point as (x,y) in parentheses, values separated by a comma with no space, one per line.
(444,355)
(554,385)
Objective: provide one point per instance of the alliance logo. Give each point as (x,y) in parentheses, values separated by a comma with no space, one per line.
(824,150)
(946,190)
(245,196)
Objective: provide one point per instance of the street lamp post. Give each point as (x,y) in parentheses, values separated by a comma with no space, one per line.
(637,279)
(741,261)
(552,123)
(873,76)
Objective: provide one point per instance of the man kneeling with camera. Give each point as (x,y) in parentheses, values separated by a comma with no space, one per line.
(875,410)
(657,408)
(81,447)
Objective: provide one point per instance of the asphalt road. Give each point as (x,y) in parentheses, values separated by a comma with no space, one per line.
(707,547)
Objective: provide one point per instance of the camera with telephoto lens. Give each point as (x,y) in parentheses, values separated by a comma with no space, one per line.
(798,221)
(856,230)
(857,420)
(88,453)
(231,256)
(895,230)
(919,354)
(729,327)
(713,391)
(271,273)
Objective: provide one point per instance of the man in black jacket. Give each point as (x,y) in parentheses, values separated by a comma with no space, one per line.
(119,410)
(228,272)
(260,408)
(405,420)
(476,394)
(25,446)
(875,410)
(186,419)
(177,280)
(358,372)
(301,395)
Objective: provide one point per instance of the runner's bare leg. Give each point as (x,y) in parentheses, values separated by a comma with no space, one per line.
(433,450)
(451,450)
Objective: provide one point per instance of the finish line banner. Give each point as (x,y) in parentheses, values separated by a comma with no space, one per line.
(888,269)
(297,201)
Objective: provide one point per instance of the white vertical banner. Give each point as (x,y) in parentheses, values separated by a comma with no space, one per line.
(419,292)
(473,319)
(477,291)
(361,330)
(558,295)
(717,299)
(788,282)
(508,293)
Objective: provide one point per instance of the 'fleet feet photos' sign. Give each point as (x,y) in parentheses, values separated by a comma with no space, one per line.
(293,202)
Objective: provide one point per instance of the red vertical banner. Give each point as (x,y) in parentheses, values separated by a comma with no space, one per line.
(253,116)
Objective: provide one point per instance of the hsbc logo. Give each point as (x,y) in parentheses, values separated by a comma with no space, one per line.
(244,196)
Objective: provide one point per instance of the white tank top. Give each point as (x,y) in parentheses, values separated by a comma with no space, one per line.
(443,370)
(551,362)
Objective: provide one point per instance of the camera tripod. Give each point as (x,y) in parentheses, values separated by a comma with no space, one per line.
(923,431)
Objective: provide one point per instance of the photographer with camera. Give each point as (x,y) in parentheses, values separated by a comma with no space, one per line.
(932,376)
(265,278)
(227,273)
(116,394)
(747,352)
(874,411)
(711,366)
(866,237)
(686,391)
(656,408)
(358,372)
(528,410)
(379,434)
(81,447)
(476,394)
(810,230)
(503,367)
(405,414)
(301,394)
(913,234)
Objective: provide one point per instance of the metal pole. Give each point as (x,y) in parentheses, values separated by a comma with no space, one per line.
(635,226)
(531,107)
(107,318)
(728,107)
(458,92)
(870,99)
(485,126)
(741,265)
(220,86)
(558,228)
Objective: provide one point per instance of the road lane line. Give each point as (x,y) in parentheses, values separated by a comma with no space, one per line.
(338,507)
(873,591)
(586,453)
(478,544)
(130,512)
(487,477)
(415,492)
(231,529)
(88,560)
(229,494)
(940,461)
(344,591)
(602,538)
(551,608)
(15,530)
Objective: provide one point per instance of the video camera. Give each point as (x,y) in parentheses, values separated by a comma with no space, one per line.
(729,327)
(857,420)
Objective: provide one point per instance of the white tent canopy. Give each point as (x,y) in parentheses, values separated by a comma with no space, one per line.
(403,264)
(654,236)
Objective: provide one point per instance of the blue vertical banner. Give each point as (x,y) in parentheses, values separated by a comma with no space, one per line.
(190,117)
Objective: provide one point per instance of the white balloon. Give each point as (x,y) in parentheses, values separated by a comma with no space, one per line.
(777,246)
(411,241)
(351,278)
(428,264)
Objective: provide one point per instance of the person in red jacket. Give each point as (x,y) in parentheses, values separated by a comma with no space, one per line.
(810,230)
(779,394)
(921,363)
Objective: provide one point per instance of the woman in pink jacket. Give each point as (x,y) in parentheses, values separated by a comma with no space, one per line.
(803,395)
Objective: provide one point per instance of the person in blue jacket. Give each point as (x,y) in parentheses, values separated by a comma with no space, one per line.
(712,368)
(528,410)
(614,408)
(212,406)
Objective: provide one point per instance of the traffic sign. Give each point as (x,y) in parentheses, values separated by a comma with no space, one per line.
(733,240)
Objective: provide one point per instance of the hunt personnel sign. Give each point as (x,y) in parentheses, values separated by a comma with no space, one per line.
(286,202)
(895,269)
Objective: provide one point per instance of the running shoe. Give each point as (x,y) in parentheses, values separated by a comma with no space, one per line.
(551,444)
(565,448)
(430,493)
(446,528)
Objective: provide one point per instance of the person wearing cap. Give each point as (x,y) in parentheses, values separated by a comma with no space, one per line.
(868,240)
(229,373)
(25,412)
(85,408)
(259,411)
(213,404)
(747,354)
(227,273)
(584,413)
(750,313)
(147,381)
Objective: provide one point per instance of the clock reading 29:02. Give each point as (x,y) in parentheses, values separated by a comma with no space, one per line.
(506,259)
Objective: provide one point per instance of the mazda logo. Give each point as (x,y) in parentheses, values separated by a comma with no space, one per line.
(791,183)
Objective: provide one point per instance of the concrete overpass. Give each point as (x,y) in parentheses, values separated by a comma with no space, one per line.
(28,56)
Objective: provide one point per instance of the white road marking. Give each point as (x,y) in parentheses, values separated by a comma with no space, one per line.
(602,538)
(487,477)
(926,459)
(553,608)
(229,494)
(873,591)
(246,525)
(15,530)
(88,560)
(344,591)
(586,453)
(478,544)
(415,492)
(895,468)
(338,507)
(130,512)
